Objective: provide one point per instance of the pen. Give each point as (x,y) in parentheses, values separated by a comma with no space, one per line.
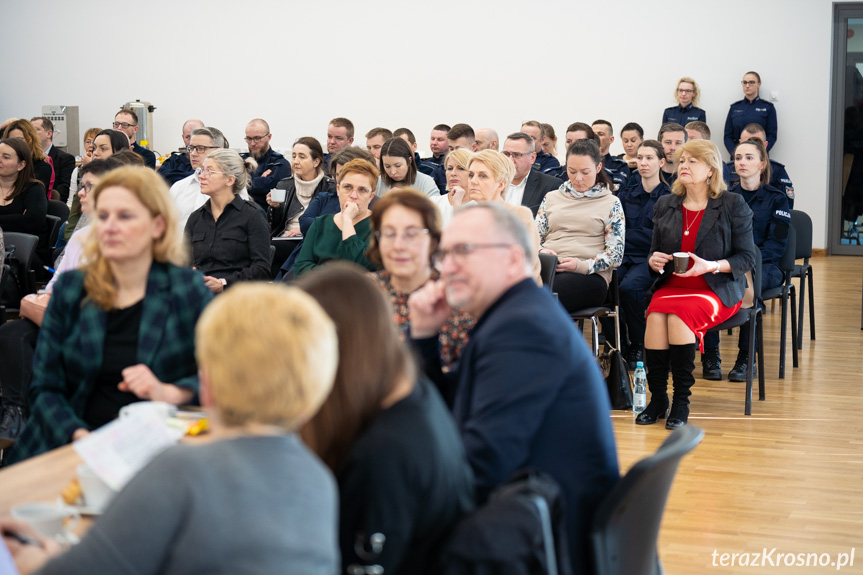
(52,270)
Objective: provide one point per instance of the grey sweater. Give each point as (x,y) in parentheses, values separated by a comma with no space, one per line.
(245,505)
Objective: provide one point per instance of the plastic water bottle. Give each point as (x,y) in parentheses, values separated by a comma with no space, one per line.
(639,399)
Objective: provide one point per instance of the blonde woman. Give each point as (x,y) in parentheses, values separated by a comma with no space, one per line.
(121,329)
(687,95)
(253,500)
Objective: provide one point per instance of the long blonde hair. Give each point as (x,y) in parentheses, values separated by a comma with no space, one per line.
(152,191)
(707,152)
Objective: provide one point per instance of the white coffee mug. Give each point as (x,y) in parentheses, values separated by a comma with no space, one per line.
(96,493)
(47,518)
(278,195)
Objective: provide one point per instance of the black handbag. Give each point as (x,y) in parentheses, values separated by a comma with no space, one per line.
(616,378)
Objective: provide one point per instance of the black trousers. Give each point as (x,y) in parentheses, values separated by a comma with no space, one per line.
(17,343)
(577,291)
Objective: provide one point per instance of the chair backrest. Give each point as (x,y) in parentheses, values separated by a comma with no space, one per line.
(786,262)
(59,209)
(53,225)
(23,248)
(548,267)
(802,224)
(626,524)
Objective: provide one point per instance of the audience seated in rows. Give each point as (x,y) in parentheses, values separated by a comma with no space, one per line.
(387,435)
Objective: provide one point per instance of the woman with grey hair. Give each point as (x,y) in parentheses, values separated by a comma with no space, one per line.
(230,236)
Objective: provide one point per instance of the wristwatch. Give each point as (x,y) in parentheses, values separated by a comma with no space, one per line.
(225,282)
(715,270)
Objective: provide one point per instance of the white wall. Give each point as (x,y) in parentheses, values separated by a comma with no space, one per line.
(391,63)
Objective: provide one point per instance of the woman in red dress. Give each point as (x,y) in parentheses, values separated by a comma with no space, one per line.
(715,229)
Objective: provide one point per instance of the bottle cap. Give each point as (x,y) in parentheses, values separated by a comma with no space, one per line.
(639,365)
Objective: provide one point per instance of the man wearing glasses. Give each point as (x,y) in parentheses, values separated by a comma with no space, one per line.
(526,391)
(528,187)
(272,166)
(126,120)
(178,165)
(187,192)
(750,110)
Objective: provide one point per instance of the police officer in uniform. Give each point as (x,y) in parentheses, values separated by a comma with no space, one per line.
(618,169)
(779,177)
(771,217)
(544,160)
(749,110)
(272,166)
(686,110)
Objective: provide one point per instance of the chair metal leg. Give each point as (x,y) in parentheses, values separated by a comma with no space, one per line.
(617,328)
(783,333)
(594,324)
(750,367)
(800,309)
(811,306)
(794,327)
(760,331)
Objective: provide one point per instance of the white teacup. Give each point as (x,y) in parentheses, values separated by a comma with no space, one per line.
(278,195)
(47,518)
(96,493)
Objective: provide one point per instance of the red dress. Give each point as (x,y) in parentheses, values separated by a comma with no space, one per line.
(691,299)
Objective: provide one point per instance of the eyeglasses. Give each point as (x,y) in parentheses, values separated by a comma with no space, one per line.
(516,155)
(409,237)
(255,139)
(200,149)
(86,188)
(685,91)
(348,188)
(124,125)
(460,252)
(748,82)
(209,172)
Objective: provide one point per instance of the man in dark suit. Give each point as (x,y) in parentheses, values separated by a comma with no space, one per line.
(64,164)
(528,187)
(526,391)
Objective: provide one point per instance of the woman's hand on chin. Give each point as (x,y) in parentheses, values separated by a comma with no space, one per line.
(350,210)
(456,196)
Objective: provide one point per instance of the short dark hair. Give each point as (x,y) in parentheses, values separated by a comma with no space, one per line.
(755,128)
(522,136)
(99,167)
(398,148)
(347,154)
(699,127)
(129,111)
(128,158)
(535,124)
(590,149)
(405,132)
(47,124)
(119,140)
(605,123)
(461,131)
(756,74)
(387,134)
(315,148)
(672,127)
(582,127)
(633,126)
(344,123)
(441,128)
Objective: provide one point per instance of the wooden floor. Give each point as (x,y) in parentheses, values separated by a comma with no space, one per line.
(790,476)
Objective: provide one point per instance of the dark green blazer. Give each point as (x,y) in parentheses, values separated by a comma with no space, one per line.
(68,354)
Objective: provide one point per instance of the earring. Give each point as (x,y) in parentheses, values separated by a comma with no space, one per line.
(708,180)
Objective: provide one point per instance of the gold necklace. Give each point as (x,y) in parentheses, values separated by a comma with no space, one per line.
(686,220)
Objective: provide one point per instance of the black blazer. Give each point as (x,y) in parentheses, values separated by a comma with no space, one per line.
(537,186)
(64,165)
(725,233)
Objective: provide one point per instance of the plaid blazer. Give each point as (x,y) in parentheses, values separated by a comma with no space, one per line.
(68,354)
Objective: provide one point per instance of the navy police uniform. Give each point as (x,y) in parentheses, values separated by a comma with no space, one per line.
(619,170)
(619,179)
(779,179)
(149,157)
(633,274)
(683,115)
(176,167)
(545,162)
(742,113)
(279,168)
(771,217)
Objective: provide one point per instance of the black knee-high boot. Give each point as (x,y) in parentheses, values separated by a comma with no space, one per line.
(657,362)
(682,359)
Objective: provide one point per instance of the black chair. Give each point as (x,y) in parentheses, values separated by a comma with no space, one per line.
(626,525)
(785,292)
(752,318)
(59,209)
(283,248)
(802,224)
(22,249)
(53,225)
(548,269)
(611,308)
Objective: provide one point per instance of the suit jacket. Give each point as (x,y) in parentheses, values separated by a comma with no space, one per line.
(725,232)
(528,393)
(538,184)
(64,165)
(68,354)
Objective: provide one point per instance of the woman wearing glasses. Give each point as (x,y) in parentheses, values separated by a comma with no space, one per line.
(345,235)
(687,95)
(230,236)
(187,192)
(407,231)
(750,110)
